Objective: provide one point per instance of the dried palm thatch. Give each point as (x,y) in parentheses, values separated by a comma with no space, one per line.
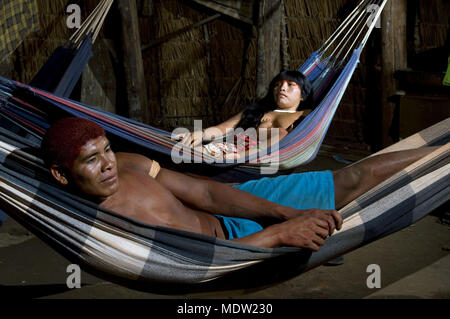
(196,70)
(309,24)
(182,69)
(53,32)
(432,24)
(209,73)
(36,48)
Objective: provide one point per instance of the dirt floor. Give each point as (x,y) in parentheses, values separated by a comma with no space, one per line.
(414,263)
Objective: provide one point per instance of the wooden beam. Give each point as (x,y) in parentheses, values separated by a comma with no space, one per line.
(132,61)
(394,57)
(399,12)
(268,58)
(179,32)
(411,20)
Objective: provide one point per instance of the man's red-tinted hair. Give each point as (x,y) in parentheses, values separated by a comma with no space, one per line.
(64,139)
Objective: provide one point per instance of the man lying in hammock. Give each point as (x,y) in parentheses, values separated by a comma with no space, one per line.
(301,207)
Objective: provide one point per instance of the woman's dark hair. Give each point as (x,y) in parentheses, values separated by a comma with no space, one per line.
(253,113)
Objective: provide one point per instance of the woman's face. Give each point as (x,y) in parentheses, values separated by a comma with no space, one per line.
(287,95)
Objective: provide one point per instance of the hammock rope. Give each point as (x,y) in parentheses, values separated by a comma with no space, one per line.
(354,22)
(335,35)
(93,23)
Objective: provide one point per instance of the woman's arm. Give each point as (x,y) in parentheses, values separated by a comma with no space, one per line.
(197,137)
(211,132)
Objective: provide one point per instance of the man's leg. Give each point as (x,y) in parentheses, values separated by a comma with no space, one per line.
(353,181)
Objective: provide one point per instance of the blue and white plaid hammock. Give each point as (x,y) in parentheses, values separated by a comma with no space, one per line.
(131,251)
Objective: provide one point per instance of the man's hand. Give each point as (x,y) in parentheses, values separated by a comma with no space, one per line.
(309,229)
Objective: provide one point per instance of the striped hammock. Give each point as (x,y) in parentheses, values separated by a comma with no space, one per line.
(330,69)
(129,252)
(64,67)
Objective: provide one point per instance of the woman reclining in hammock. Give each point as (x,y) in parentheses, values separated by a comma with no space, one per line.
(298,209)
(287,102)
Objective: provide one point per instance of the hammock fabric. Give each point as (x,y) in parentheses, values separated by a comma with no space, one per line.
(25,103)
(325,70)
(130,250)
(63,69)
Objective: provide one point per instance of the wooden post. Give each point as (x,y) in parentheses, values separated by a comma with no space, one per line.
(394,57)
(132,60)
(285,60)
(269,41)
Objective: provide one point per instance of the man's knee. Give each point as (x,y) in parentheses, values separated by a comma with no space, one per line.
(349,178)
(347,184)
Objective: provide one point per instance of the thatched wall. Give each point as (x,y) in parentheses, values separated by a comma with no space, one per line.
(53,32)
(37,47)
(432,25)
(177,73)
(188,77)
(309,24)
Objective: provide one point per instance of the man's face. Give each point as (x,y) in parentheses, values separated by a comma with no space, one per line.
(94,171)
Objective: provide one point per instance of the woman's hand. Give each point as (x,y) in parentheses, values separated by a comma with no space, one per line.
(191,139)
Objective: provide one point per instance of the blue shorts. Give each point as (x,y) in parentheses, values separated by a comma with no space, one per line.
(300,191)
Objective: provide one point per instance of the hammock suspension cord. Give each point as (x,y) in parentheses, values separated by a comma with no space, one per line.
(92,24)
(355,22)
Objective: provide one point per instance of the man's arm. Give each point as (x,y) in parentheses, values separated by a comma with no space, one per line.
(219,198)
(307,230)
(210,196)
(300,228)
